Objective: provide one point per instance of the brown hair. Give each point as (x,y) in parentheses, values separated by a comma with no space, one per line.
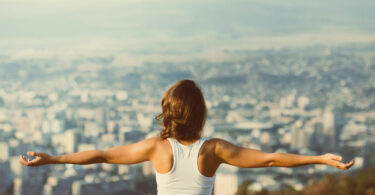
(183,111)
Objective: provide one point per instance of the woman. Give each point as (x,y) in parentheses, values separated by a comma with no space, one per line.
(185,163)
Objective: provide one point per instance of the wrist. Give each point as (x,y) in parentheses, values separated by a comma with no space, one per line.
(321,159)
(54,160)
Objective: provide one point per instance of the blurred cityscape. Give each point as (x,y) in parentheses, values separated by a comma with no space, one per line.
(308,100)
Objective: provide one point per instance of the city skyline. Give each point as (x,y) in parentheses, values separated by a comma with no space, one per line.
(305,101)
(278,76)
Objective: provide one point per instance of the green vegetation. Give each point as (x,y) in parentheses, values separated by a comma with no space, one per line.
(359,183)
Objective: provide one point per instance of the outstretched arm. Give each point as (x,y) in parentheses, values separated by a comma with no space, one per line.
(127,154)
(249,158)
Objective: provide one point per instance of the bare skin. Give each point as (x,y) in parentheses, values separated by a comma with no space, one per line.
(213,153)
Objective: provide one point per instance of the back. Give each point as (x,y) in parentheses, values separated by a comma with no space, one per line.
(184,176)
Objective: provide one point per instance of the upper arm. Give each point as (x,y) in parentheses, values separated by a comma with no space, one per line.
(132,153)
(241,157)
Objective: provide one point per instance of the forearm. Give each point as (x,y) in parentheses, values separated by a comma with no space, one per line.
(82,158)
(292,160)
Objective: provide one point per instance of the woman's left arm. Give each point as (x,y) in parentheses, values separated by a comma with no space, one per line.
(127,154)
(249,158)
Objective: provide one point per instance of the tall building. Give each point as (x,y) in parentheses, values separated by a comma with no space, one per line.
(148,168)
(5,177)
(53,126)
(17,169)
(303,101)
(4,152)
(17,186)
(332,122)
(329,121)
(227,180)
(27,180)
(71,141)
(92,129)
(226,184)
(299,138)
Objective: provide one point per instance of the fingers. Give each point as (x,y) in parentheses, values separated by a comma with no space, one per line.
(335,157)
(349,164)
(33,154)
(340,165)
(22,160)
(345,166)
(26,161)
(335,161)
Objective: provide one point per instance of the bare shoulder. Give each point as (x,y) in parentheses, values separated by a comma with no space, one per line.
(162,153)
(149,144)
(154,141)
(158,144)
(215,141)
(217,145)
(214,149)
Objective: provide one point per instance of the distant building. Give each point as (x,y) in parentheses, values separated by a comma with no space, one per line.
(56,186)
(264,182)
(113,185)
(71,141)
(112,127)
(300,138)
(303,101)
(53,126)
(92,129)
(27,181)
(4,152)
(148,168)
(226,184)
(227,180)
(130,135)
(332,122)
(6,177)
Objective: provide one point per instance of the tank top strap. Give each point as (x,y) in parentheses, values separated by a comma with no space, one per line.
(198,146)
(174,146)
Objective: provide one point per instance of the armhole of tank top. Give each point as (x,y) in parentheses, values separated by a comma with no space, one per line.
(174,159)
(197,168)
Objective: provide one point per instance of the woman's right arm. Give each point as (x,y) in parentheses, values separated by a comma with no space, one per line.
(126,154)
(250,158)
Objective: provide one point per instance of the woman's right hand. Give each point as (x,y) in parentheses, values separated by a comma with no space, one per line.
(41,159)
(335,161)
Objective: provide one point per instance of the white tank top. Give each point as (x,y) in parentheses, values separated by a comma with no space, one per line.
(184,178)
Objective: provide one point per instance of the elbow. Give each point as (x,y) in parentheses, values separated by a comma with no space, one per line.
(102,160)
(101,157)
(270,161)
(270,164)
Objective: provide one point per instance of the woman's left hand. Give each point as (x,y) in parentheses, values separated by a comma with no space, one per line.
(335,161)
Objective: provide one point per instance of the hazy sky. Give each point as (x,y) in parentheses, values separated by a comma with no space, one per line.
(183,25)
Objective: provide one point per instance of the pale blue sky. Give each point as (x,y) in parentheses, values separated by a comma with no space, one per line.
(184,24)
(35,18)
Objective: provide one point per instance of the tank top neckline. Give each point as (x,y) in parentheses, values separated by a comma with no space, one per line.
(186,146)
